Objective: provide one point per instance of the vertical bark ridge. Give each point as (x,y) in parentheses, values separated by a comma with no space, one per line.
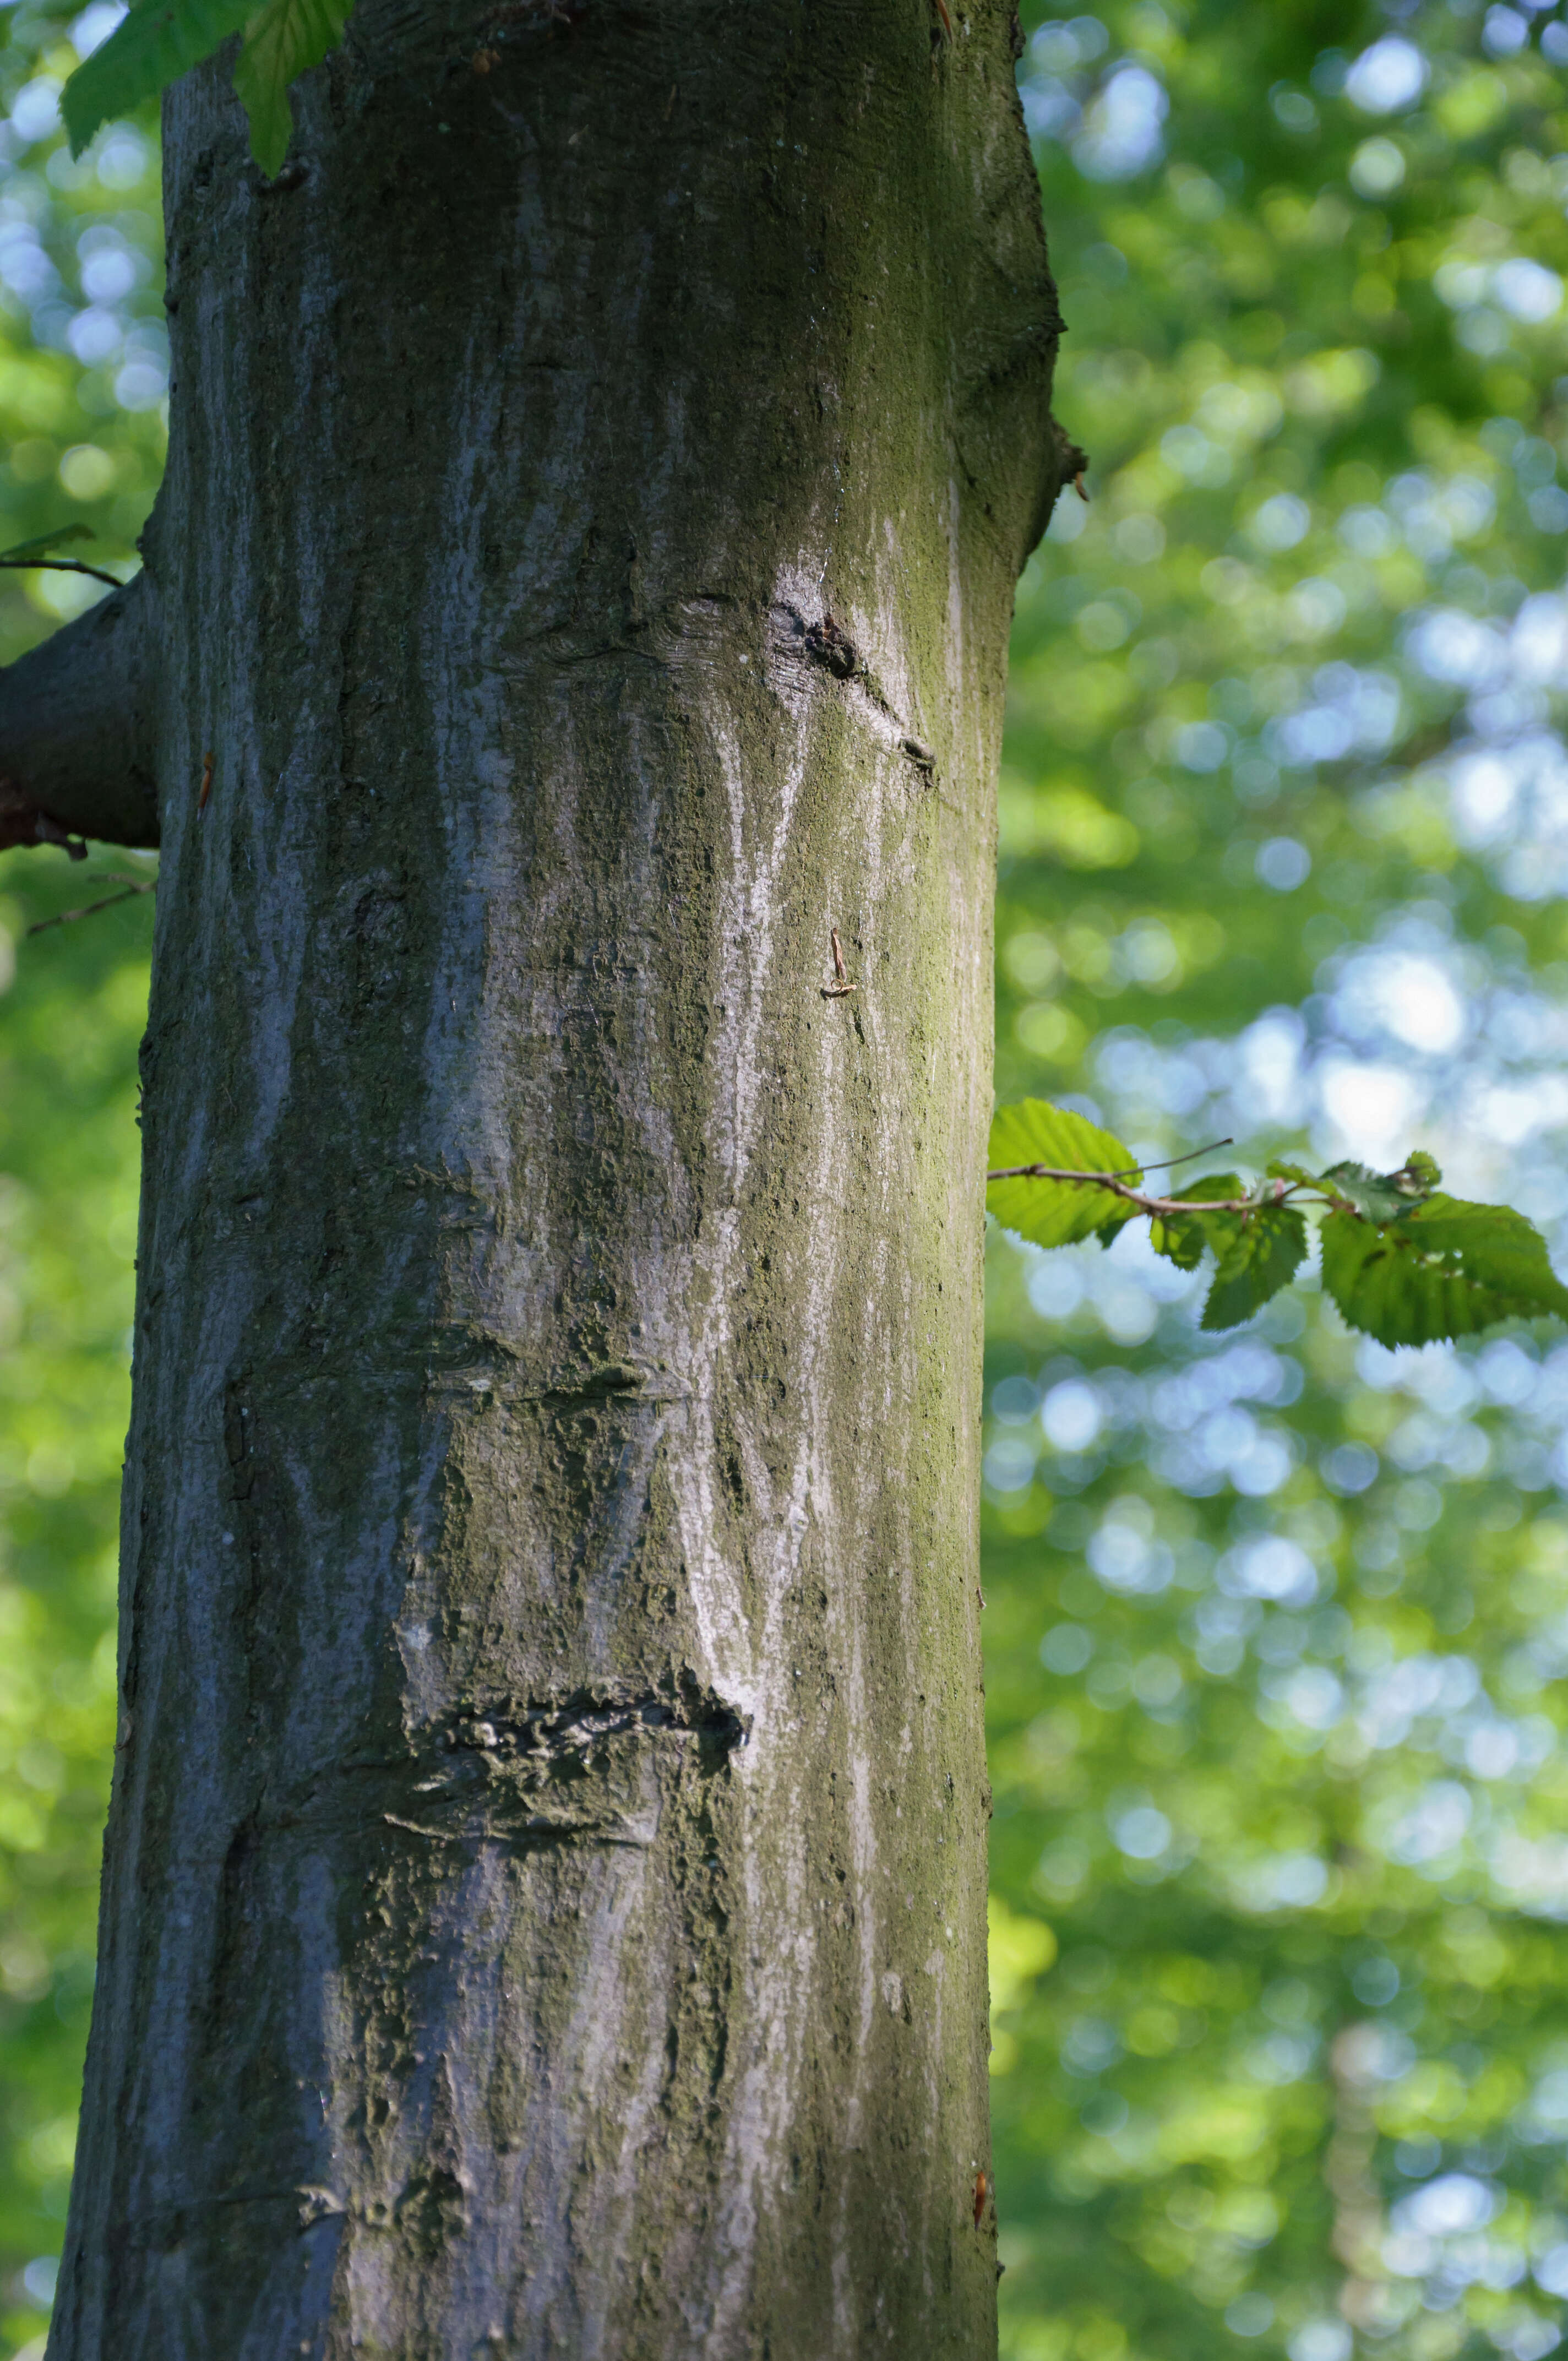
(545,1895)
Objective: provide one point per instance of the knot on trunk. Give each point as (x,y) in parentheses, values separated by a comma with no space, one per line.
(826,644)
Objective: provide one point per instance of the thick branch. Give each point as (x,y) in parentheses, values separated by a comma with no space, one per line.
(75,730)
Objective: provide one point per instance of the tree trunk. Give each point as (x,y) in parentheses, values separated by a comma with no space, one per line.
(543,1906)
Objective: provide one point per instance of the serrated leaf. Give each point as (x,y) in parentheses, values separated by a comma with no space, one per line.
(1384,1196)
(1445,1269)
(1373,1194)
(1031,1131)
(1262,1254)
(159,41)
(1493,1238)
(42,544)
(282,40)
(1282,1169)
(1182,1237)
(1055,1212)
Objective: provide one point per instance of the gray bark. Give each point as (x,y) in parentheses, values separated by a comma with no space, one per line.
(77,718)
(544,1907)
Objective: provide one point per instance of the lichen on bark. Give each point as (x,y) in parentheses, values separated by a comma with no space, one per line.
(543,1909)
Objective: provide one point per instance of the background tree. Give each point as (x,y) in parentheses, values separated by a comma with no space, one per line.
(1181,2138)
(1275,1622)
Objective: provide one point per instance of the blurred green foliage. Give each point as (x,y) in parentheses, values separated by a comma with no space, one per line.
(1279,1621)
(84,372)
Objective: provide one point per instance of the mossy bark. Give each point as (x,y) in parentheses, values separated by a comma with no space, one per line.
(544,1910)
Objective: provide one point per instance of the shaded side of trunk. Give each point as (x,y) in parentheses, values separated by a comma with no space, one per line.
(544,1896)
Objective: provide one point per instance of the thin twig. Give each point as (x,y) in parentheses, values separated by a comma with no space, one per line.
(65,565)
(1165,1163)
(133,885)
(1145,1204)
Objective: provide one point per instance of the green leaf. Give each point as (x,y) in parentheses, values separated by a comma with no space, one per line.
(42,544)
(1182,1237)
(1384,1196)
(159,41)
(1264,1252)
(1372,1195)
(1444,1268)
(1419,1173)
(282,40)
(1057,1212)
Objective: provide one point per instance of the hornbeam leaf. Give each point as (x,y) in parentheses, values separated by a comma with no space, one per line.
(1384,1196)
(1057,1212)
(1034,1132)
(42,544)
(1182,1237)
(1444,1268)
(159,41)
(1265,1250)
(282,40)
(1282,1169)
(1497,1245)
(1373,1194)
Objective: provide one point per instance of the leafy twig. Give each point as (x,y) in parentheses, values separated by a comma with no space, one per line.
(1404,1262)
(1135,1197)
(64,566)
(27,554)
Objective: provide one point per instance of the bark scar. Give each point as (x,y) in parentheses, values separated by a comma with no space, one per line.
(825,645)
(590,1768)
(547,1732)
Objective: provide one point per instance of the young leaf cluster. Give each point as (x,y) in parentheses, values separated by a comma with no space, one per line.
(1404,1262)
(161,39)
